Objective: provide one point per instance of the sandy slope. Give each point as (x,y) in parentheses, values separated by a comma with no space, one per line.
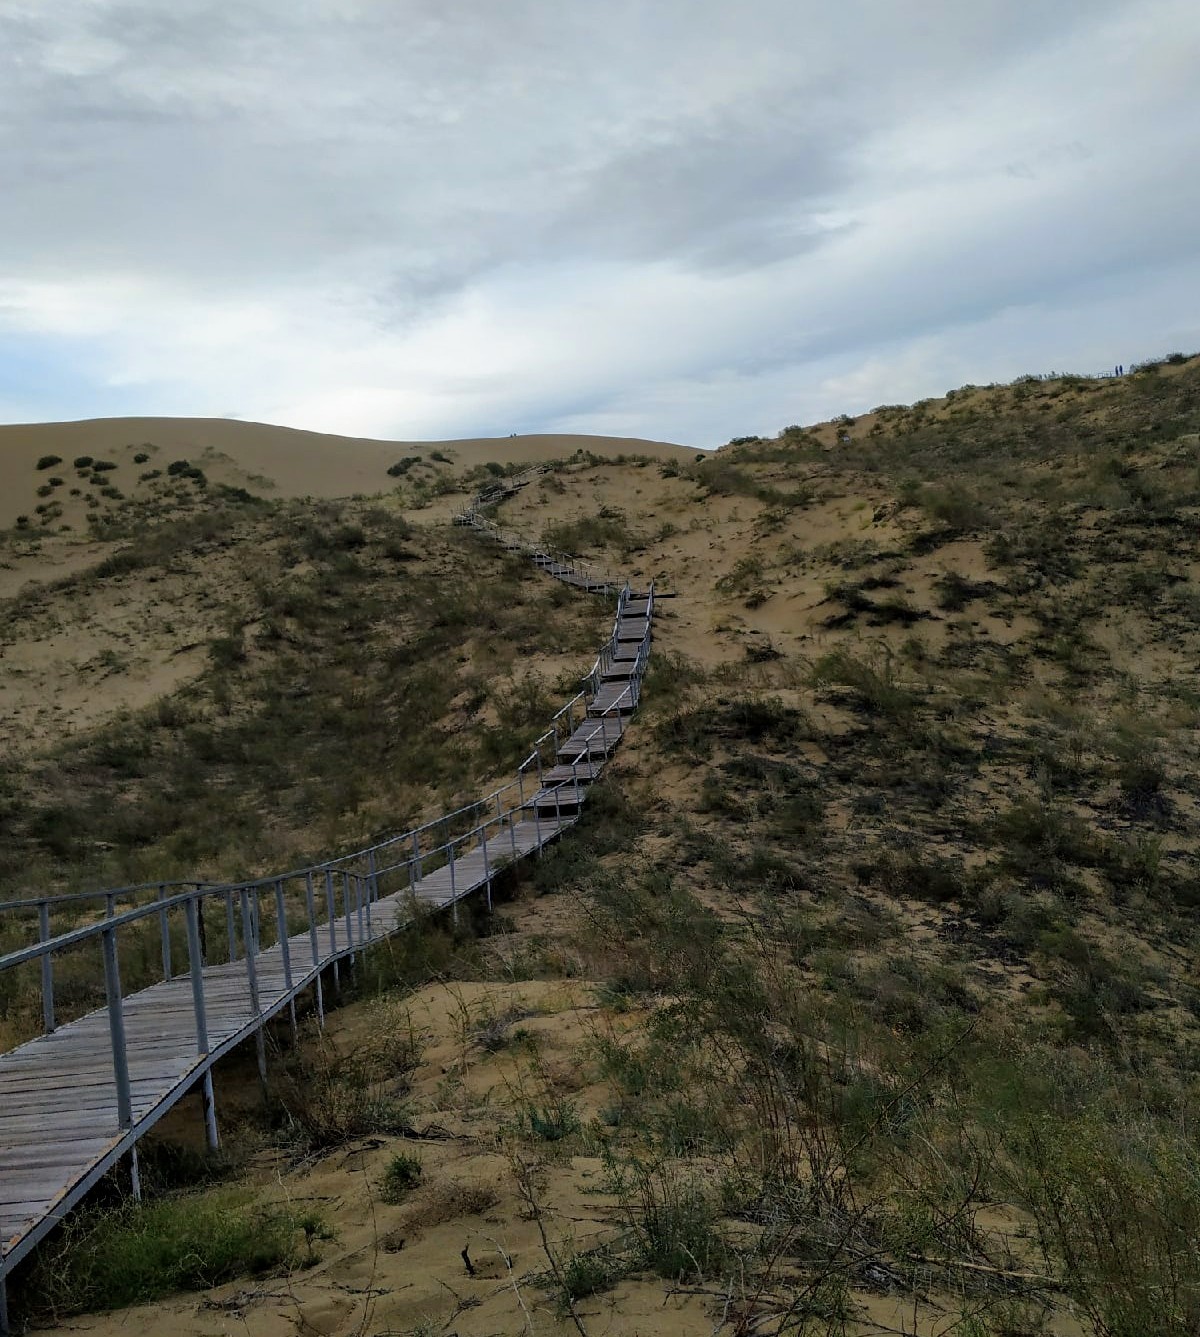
(297,463)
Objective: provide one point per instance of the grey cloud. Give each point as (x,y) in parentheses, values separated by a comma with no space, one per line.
(398,163)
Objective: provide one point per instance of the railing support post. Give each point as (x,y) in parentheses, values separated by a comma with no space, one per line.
(164,931)
(285,951)
(47,970)
(116,1027)
(453,888)
(260,1043)
(196,970)
(229,928)
(487,868)
(311,906)
(348,910)
(337,979)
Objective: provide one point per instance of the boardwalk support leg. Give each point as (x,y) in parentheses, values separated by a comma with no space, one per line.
(135,1174)
(5,1330)
(208,1106)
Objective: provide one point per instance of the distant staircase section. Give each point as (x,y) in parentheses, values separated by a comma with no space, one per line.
(503,486)
(77,1098)
(562,566)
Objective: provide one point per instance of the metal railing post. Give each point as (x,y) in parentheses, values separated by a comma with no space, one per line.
(311,905)
(229,928)
(196,970)
(164,929)
(252,978)
(337,982)
(285,952)
(487,870)
(116,1027)
(47,970)
(453,889)
(348,911)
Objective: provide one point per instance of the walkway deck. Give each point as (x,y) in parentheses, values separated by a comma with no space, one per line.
(69,1110)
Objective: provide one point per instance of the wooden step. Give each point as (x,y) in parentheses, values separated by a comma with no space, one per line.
(612,696)
(583,772)
(558,798)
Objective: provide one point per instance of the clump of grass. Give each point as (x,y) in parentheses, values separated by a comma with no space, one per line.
(673,1222)
(142,1252)
(873,683)
(551,1120)
(402,1175)
(590,1272)
(450,1201)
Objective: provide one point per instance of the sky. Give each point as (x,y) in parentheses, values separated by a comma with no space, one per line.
(678,219)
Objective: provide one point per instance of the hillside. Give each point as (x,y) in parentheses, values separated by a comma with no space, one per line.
(864,998)
(263,459)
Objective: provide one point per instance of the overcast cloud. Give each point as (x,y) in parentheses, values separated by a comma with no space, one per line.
(672,218)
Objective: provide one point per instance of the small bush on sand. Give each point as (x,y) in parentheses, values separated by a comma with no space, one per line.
(402,1175)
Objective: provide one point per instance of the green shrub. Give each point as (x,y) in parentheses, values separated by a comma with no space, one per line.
(82,461)
(49,461)
(141,457)
(590,1273)
(1117,1214)
(402,1175)
(673,1221)
(140,1253)
(552,1120)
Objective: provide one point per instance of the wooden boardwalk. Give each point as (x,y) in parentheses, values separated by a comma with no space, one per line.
(75,1100)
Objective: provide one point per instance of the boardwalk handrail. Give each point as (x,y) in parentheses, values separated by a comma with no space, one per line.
(50,902)
(296,926)
(567,564)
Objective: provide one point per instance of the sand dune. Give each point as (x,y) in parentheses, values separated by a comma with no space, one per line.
(281,460)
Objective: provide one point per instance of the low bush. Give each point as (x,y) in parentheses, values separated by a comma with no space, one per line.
(141,1252)
(402,1175)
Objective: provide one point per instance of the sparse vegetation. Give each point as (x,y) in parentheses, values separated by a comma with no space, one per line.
(190,1241)
(873,955)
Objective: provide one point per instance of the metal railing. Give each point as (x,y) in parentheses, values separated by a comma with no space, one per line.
(315,917)
(553,561)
